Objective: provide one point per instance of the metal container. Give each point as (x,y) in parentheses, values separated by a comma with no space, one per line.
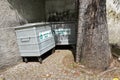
(34,39)
(65,33)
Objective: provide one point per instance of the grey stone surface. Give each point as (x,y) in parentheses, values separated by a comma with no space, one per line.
(9,54)
(113,17)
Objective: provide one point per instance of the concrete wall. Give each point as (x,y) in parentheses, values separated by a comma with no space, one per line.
(31,10)
(59,6)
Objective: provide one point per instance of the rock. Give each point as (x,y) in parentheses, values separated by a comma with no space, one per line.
(113,18)
(46,75)
(119,58)
(9,54)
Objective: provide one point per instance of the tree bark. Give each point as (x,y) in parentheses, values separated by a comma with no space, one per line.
(93,48)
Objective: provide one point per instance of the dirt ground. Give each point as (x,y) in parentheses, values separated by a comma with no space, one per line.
(58,66)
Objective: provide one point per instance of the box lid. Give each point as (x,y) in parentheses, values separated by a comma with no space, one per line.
(32,25)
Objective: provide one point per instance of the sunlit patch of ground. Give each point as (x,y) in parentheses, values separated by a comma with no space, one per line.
(58,66)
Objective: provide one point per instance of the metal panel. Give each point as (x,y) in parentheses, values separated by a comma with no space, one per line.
(26,32)
(45,38)
(65,33)
(34,40)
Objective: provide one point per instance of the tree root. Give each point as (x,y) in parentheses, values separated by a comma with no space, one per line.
(109,70)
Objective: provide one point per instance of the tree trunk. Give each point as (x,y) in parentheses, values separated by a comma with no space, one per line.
(93,48)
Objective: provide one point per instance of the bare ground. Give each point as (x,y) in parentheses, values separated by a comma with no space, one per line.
(58,66)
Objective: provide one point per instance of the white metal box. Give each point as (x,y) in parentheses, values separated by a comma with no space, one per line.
(34,39)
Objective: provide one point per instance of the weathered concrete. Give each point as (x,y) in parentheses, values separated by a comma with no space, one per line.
(59,5)
(31,10)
